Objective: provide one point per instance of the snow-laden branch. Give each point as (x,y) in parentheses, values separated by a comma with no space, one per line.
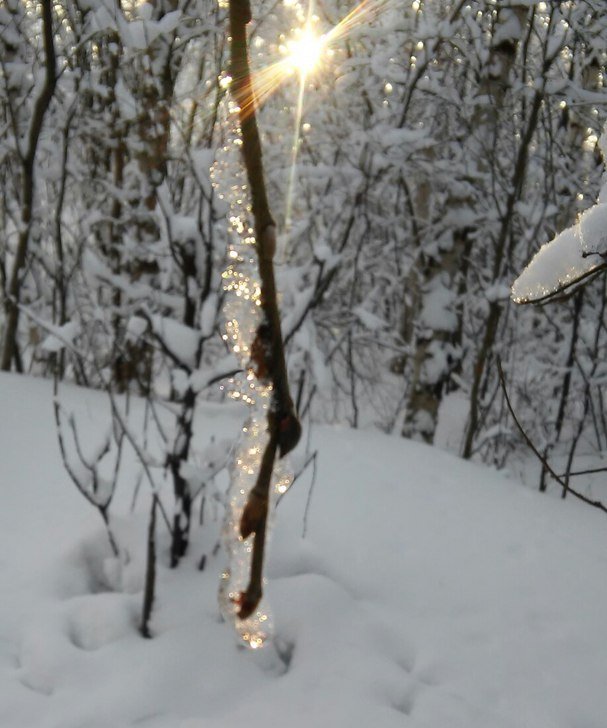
(559,266)
(574,256)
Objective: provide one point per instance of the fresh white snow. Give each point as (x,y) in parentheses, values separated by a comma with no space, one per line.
(427,592)
(557,265)
(573,255)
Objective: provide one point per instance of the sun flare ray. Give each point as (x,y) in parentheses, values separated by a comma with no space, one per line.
(304,52)
(293,168)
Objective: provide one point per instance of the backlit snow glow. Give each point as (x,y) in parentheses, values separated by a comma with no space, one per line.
(558,264)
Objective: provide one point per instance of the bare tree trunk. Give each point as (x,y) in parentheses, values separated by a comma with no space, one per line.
(437,353)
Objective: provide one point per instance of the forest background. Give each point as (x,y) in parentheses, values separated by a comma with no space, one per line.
(413,171)
(417,155)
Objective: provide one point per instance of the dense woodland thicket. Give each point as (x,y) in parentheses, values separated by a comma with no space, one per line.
(441,143)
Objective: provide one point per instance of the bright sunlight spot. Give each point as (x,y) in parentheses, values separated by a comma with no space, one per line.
(304,51)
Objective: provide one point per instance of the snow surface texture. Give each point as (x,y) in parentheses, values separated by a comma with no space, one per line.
(427,592)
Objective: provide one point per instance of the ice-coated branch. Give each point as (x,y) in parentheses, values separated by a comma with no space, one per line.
(268,347)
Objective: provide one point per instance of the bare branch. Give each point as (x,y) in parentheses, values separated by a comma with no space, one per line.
(536,452)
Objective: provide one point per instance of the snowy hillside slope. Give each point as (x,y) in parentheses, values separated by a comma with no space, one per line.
(428,593)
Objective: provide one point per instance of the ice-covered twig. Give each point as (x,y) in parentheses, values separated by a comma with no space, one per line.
(254,521)
(267,351)
(284,425)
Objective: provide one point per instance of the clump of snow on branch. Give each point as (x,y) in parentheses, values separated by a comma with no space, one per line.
(573,255)
(60,337)
(557,265)
(593,230)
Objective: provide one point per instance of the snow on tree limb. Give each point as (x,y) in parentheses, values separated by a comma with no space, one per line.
(574,256)
(557,267)
(593,230)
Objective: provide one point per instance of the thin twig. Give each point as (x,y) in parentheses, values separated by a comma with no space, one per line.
(590,471)
(101,507)
(560,481)
(142,457)
(304,529)
(150,573)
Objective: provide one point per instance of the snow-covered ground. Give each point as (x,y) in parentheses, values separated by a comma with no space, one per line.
(427,592)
